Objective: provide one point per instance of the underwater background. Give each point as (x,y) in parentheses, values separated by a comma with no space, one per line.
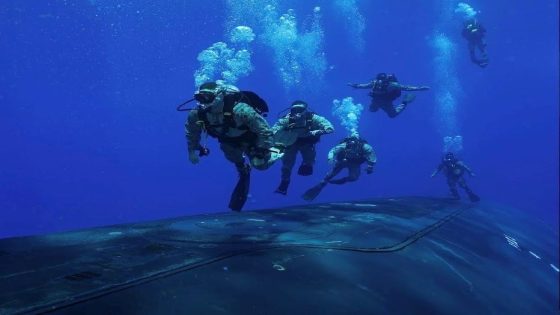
(90,134)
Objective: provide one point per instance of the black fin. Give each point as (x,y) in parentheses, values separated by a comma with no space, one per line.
(283,187)
(313,192)
(241,191)
(474,198)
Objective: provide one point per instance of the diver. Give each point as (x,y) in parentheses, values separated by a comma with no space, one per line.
(235,118)
(454,170)
(350,153)
(384,90)
(298,132)
(474,33)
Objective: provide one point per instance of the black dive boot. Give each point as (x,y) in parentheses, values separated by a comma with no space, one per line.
(241,191)
(283,187)
(305,170)
(472,196)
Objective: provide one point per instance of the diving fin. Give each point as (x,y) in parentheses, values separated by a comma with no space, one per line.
(241,191)
(313,192)
(283,187)
(473,197)
(408,98)
(339,181)
(483,61)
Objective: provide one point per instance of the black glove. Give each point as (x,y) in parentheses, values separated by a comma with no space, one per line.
(369,169)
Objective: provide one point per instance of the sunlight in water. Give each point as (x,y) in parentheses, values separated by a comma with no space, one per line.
(447,90)
(354,22)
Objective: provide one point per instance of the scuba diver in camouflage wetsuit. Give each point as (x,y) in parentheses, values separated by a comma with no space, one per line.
(350,153)
(454,170)
(384,90)
(298,132)
(234,118)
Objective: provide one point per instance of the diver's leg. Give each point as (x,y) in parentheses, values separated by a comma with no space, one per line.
(262,162)
(314,191)
(308,155)
(483,61)
(452,183)
(392,111)
(463,184)
(407,99)
(374,105)
(234,154)
(472,53)
(353,175)
(354,171)
(288,161)
(482,46)
(333,172)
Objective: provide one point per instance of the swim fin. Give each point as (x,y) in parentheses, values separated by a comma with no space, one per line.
(313,192)
(473,197)
(408,98)
(283,187)
(241,191)
(339,181)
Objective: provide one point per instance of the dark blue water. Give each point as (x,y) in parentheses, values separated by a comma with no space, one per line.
(90,135)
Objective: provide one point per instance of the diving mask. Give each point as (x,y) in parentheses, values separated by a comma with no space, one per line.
(204,97)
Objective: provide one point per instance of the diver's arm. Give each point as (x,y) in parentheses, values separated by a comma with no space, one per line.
(368,85)
(330,156)
(282,123)
(466,168)
(321,126)
(481,29)
(438,169)
(370,156)
(335,151)
(193,131)
(413,88)
(256,124)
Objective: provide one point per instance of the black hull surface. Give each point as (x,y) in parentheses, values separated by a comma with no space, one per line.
(383,256)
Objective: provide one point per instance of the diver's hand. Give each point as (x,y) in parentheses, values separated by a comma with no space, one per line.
(424,88)
(369,169)
(193,157)
(351,85)
(317,132)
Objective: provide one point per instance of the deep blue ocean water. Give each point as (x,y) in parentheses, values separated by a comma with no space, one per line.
(90,135)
